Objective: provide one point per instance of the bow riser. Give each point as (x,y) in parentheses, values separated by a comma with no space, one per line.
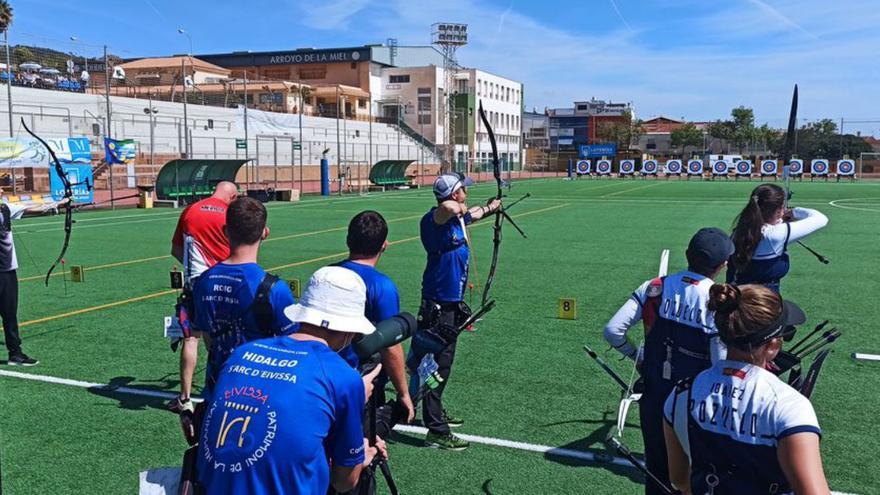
(68,194)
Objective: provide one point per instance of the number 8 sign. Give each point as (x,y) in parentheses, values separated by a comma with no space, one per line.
(567,308)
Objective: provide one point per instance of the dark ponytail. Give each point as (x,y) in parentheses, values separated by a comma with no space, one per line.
(763,204)
(743,311)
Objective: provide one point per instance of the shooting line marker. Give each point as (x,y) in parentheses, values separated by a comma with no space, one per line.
(567,308)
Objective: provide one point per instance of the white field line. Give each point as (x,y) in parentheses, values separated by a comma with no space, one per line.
(495,442)
(836,204)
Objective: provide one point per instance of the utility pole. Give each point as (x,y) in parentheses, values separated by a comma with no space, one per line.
(8,81)
(108,126)
(246,147)
(301,168)
(185,119)
(9,99)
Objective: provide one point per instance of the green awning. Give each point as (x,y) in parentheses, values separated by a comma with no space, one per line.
(190,180)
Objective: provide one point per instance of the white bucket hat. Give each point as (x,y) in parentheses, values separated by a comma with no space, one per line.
(334,299)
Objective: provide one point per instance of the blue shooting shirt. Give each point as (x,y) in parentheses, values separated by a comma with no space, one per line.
(446,272)
(383,300)
(281,412)
(223,296)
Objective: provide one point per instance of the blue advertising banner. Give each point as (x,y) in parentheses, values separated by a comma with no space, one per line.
(81,175)
(597,150)
(28,152)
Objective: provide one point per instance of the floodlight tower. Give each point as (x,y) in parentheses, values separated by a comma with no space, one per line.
(449,37)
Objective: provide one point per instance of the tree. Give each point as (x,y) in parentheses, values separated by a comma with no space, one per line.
(821,139)
(22,54)
(623,131)
(5,15)
(686,135)
(739,131)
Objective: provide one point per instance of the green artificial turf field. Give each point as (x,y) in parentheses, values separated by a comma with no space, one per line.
(521,376)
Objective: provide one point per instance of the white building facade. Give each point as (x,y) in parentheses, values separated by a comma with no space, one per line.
(417,97)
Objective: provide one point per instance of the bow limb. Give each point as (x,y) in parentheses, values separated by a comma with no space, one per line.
(788,148)
(499,218)
(68,195)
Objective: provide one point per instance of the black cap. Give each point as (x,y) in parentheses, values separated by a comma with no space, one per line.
(710,247)
(791,316)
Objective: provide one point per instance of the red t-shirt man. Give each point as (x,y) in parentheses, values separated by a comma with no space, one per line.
(199,243)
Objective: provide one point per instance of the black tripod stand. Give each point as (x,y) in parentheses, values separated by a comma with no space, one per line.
(378,462)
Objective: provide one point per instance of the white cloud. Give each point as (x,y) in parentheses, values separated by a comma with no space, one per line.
(335,14)
(729,56)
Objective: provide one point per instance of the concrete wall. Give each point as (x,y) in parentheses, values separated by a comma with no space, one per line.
(213,131)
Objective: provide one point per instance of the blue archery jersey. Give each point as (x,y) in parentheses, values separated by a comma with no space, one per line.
(223,297)
(383,300)
(446,271)
(283,410)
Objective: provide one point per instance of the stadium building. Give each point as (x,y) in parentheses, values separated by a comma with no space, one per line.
(399,85)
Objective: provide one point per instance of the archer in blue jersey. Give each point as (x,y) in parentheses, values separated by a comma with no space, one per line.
(285,416)
(444,237)
(229,313)
(367,241)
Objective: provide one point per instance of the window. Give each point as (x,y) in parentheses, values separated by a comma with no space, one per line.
(354,65)
(581,107)
(362,103)
(424,118)
(398,79)
(316,73)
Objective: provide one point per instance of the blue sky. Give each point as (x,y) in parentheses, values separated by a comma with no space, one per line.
(681,58)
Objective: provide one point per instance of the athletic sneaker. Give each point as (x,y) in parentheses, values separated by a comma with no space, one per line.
(21,359)
(445,442)
(452,421)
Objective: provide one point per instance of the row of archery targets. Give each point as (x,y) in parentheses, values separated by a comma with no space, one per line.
(819,168)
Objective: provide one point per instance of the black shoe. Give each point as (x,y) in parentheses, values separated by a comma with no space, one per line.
(21,359)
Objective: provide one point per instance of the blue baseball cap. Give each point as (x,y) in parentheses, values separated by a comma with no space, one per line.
(710,247)
(445,185)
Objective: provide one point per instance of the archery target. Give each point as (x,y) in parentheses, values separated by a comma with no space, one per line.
(649,167)
(744,167)
(673,167)
(627,167)
(583,167)
(769,167)
(603,167)
(846,167)
(695,167)
(719,167)
(796,167)
(819,167)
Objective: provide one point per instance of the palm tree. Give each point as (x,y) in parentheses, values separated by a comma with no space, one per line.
(5,15)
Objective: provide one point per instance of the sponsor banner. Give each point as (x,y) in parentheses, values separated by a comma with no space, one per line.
(28,152)
(80,176)
(597,150)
